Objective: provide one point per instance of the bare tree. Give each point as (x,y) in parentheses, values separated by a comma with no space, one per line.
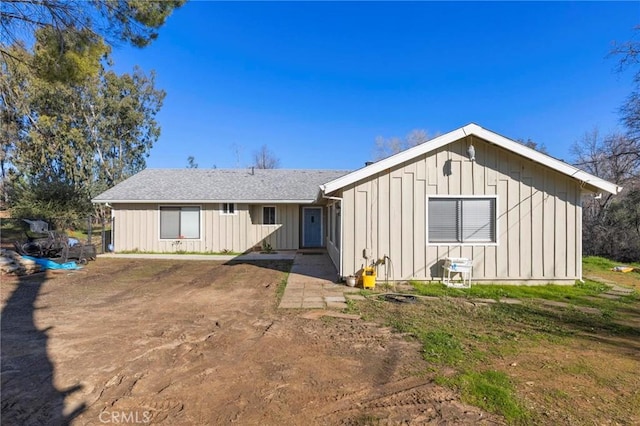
(614,157)
(265,159)
(237,152)
(629,53)
(387,147)
(530,143)
(191,162)
(611,224)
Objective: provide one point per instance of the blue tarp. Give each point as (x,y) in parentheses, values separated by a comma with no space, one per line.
(50,264)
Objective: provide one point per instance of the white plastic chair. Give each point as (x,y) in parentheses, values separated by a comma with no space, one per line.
(457,265)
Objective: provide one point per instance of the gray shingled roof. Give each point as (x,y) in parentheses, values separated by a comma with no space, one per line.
(220,185)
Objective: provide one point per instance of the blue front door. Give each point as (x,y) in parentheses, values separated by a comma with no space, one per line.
(312,227)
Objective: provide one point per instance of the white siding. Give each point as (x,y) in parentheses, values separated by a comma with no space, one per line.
(538,217)
(137,227)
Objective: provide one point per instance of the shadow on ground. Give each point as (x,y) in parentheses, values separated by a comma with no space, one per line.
(276,265)
(616,331)
(29,396)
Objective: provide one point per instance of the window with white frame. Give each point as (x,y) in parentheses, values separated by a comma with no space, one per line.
(462,220)
(180,222)
(269,215)
(228,208)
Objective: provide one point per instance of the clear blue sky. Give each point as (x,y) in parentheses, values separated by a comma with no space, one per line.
(317,82)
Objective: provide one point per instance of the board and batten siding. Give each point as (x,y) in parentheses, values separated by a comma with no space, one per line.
(137,228)
(539,217)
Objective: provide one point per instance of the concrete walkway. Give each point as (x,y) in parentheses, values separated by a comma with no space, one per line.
(615,291)
(251,256)
(311,283)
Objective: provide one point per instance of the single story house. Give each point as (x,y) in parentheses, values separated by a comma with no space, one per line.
(216,210)
(472,193)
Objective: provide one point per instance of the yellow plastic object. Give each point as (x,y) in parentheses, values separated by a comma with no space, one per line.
(369,278)
(622,268)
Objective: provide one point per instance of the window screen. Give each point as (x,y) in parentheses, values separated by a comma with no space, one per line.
(179,222)
(462,220)
(478,220)
(169,222)
(269,215)
(190,222)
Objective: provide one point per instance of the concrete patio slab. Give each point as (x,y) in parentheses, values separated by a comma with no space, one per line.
(290,304)
(337,305)
(251,256)
(311,284)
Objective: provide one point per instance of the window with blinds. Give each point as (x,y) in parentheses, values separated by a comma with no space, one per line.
(462,220)
(179,222)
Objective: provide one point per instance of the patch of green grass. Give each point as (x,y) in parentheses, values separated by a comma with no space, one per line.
(352,307)
(604,264)
(441,347)
(578,368)
(555,394)
(282,285)
(365,420)
(461,339)
(209,253)
(533,321)
(436,289)
(580,293)
(83,234)
(630,298)
(493,391)
(597,262)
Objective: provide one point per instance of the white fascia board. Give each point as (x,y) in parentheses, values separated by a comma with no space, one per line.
(489,136)
(538,157)
(98,201)
(392,161)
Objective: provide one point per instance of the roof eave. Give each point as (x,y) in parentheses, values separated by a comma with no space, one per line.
(591,187)
(489,136)
(389,162)
(125,201)
(546,160)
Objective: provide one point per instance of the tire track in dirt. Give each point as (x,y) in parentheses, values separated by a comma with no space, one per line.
(404,402)
(202,343)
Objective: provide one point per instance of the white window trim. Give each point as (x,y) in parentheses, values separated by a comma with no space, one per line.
(275,211)
(226,213)
(199,206)
(458,244)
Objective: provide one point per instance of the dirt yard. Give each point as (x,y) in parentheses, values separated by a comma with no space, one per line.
(179,342)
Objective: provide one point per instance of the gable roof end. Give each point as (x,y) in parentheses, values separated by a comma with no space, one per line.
(594,182)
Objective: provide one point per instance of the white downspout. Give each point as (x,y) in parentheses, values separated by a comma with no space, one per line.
(341,240)
(113,230)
